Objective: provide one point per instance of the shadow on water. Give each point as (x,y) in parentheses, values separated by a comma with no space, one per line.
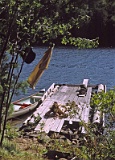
(18,121)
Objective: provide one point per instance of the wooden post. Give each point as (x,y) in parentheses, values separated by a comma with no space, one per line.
(97,113)
(85,82)
(83,88)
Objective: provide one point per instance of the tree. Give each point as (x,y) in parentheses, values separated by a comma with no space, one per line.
(18,24)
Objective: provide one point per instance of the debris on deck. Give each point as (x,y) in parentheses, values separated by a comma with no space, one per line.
(66,105)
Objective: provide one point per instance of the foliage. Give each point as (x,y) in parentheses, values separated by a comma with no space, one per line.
(106,103)
(51,20)
(105,143)
(11,132)
(21,87)
(81,42)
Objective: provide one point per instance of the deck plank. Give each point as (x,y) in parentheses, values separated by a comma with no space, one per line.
(71,94)
(40,125)
(60,125)
(86,109)
(55,126)
(44,107)
(48,123)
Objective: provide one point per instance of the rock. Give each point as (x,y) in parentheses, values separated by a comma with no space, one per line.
(52,154)
(64,132)
(43,138)
(62,137)
(61,141)
(76,136)
(75,142)
(63,159)
(25,141)
(54,135)
(19,140)
(74,158)
(70,132)
(33,135)
(35,140)
(75,132)
(68,141)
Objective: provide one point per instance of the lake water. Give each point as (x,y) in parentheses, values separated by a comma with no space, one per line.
(70,65)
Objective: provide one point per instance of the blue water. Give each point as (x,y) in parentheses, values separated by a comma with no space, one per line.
(70,65)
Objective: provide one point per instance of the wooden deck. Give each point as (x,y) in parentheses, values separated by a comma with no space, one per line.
(62,94)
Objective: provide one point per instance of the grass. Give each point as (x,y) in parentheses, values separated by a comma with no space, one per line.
(13,150)
(15,147)
(95,148)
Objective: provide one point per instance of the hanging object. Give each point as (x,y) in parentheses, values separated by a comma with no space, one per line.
(40,67)
(28,55)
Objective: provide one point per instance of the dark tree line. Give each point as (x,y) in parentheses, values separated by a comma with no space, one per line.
(87,19)
(65,21)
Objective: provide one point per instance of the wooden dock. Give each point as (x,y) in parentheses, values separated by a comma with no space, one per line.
(64,95)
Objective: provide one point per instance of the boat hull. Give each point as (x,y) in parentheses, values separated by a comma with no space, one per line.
(26,105)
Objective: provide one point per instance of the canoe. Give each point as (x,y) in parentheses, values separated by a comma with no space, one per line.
(27,104)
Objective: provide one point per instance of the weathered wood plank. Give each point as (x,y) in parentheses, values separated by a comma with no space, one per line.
(88,95)
(85,113)
(55,90)
(83,88)
(55,125)
(81,99)
(61,96)
(42,110)
(72,94)
(48,123)
(40,125)
(48,92)
(96,117)
(62,91)
(86,109)
(78,116)
(60,125)
(85,82)
(100,88)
